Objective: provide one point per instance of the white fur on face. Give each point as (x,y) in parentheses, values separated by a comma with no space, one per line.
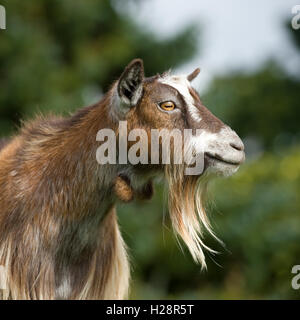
(182,85)
(219,145)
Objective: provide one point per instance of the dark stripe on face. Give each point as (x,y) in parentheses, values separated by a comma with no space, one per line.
(209,122)
(164,92)
(168,93)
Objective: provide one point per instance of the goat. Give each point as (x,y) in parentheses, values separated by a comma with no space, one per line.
(59,235)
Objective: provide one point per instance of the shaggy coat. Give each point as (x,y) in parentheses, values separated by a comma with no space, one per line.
(59,235)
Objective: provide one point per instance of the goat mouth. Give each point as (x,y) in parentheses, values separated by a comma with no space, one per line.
(216,157)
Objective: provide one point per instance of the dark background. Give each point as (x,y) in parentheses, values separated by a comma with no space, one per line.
(58,55)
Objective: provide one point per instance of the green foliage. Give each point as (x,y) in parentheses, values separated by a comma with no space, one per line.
(293,34)
(264,105)
(255,213)
(60,55)
(260,220)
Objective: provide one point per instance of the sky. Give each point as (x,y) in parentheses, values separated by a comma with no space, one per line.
(236,34)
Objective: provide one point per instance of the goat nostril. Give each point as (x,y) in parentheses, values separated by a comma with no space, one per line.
(239,147)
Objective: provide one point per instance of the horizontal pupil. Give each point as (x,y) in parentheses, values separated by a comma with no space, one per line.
(168,105)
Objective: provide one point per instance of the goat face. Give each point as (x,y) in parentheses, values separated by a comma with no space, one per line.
(170,102)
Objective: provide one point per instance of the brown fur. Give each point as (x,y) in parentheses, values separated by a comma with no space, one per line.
(53,218)
(59,235)
(123,189)
(3,143)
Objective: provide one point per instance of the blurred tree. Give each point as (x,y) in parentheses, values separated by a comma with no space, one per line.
(294,34)
(264,105)
(59,55)
(256,212)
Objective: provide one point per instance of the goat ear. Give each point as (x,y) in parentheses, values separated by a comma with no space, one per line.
(130,86)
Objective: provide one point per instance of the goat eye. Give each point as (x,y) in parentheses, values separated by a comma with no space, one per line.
(167,105)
